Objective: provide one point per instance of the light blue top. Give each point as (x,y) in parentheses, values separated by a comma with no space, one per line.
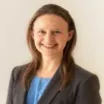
(37,87)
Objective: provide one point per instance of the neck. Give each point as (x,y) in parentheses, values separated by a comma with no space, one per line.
(51,63)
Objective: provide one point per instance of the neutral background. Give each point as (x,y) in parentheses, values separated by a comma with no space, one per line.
(14,17)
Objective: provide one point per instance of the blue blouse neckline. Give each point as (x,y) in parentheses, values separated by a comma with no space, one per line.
(37,87)
(42,78)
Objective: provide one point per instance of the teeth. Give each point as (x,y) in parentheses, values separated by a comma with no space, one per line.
(49,46)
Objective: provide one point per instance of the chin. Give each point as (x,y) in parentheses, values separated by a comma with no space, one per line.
(48,54)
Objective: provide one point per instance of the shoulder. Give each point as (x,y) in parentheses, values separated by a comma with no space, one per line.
(84,77)
(82,74)
(17,71)
(85,86)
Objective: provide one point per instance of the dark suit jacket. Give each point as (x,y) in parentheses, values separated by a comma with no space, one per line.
(83,89)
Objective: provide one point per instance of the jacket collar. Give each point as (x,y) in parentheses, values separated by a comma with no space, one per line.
(52,89)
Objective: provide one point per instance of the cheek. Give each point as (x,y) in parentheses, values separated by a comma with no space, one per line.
(37,39)
(63,38)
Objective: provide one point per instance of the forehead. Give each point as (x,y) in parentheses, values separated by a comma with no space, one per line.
(50,20)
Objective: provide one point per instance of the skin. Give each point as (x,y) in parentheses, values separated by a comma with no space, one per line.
(50,34)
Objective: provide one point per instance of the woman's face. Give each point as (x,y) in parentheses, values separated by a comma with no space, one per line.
(50,34)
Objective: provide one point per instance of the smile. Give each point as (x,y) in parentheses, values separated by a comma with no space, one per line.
(49,46)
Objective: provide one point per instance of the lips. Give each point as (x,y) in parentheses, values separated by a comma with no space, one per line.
(49,46)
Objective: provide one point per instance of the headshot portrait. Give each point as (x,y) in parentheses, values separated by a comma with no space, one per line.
(52,76)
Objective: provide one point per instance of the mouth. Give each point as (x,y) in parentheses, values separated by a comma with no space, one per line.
(49,46)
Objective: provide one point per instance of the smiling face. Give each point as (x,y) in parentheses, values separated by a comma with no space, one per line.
(50,34)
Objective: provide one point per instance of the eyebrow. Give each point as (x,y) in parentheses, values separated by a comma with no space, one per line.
(51,29)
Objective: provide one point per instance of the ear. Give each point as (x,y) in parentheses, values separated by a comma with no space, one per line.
(70,35)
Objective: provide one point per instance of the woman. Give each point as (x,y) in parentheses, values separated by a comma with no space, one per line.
(52,77)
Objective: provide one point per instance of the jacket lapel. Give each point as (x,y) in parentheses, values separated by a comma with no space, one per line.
(20,95)
(52,89)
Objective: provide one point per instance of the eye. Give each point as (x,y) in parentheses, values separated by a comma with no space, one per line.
(57,32)
(41,32)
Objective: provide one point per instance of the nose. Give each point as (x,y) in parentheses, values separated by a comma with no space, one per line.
(49,38)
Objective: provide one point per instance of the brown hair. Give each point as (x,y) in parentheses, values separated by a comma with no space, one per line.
(67,61)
